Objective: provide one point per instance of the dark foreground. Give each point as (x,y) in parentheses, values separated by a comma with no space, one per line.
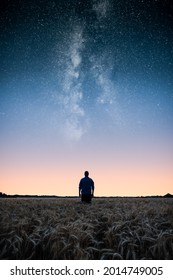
(109,228)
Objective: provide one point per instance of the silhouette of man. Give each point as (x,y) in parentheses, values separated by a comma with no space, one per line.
(86,188)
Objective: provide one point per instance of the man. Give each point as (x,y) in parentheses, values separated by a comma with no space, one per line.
(86,188)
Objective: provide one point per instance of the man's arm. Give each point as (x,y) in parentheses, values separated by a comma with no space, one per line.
(80,188)
(92,187)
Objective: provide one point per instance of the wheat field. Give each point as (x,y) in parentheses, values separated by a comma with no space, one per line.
(65,229)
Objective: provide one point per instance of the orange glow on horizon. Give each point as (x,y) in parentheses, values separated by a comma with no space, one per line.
(134,181)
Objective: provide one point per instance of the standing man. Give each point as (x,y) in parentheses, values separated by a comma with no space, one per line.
(86,188)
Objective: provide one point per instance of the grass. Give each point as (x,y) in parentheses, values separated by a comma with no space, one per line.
(109,228)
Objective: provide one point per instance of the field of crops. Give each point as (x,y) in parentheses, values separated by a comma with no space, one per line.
(109,228)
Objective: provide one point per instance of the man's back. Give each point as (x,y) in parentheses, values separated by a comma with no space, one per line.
(86,188)
(86,185)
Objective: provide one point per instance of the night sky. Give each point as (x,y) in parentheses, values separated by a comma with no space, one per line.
(86,85)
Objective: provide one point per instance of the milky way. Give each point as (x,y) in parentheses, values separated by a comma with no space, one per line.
(78,73)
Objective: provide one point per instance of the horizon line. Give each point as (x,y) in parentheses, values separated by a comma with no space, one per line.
(76,196)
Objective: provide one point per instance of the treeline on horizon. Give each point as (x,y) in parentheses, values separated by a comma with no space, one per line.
(4,195)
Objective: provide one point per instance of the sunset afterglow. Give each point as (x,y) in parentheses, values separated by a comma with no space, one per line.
(86,85)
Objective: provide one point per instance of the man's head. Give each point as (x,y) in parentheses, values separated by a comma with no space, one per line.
(86,173)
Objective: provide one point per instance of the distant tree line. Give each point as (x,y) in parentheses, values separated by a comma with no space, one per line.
(3,194)
(168,195)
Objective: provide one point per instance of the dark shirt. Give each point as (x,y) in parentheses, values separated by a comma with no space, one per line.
(86,185)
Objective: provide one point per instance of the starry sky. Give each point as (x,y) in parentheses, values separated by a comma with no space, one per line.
(86,85)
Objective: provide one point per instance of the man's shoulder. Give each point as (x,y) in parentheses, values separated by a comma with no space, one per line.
(82,180)
(86,179)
